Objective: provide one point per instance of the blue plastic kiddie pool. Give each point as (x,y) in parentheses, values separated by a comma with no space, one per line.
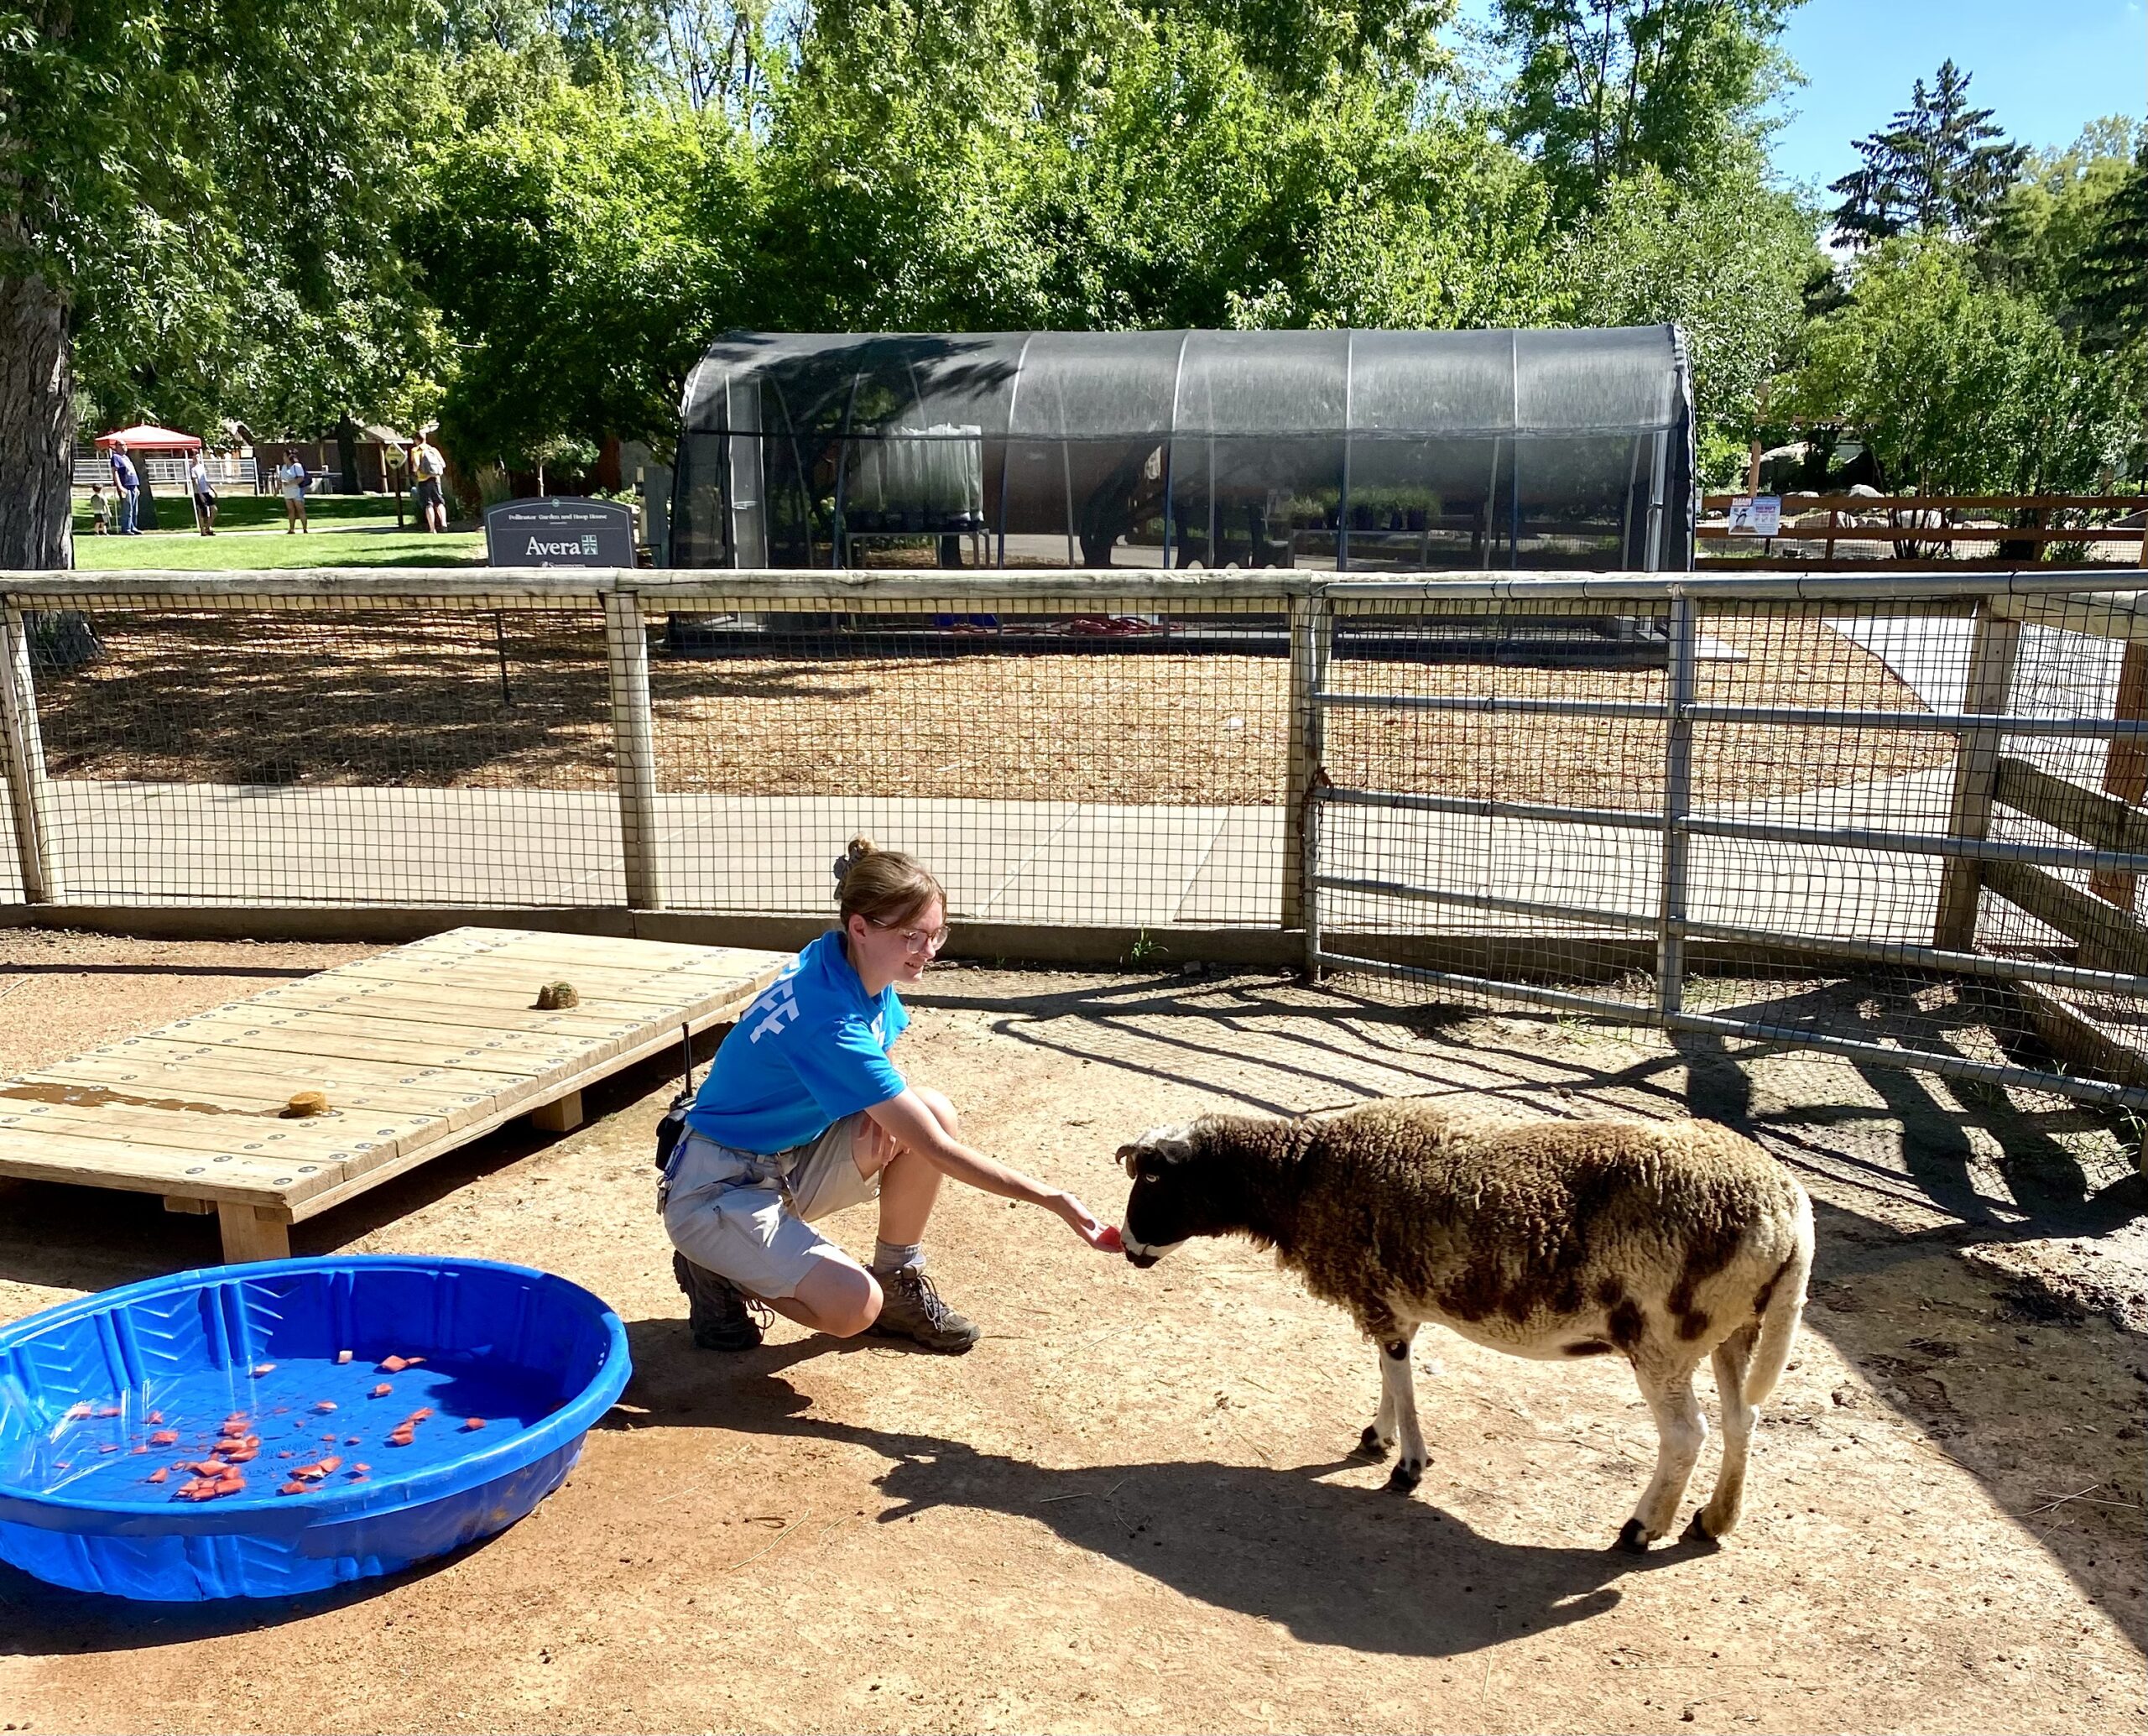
(262,1375)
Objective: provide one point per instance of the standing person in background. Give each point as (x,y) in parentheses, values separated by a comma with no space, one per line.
(100,510)
(428,466)
(204,496)
(290,477)
(128,481)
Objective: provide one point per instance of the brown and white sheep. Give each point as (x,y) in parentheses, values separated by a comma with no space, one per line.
(1664,1242)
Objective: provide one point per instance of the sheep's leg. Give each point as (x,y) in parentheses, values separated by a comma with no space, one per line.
(1382,1328)
(1379,1432)
(1733,1357)
(1397,1406)
(1680,1431)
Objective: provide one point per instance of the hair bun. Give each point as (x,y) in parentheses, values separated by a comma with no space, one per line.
(854,852)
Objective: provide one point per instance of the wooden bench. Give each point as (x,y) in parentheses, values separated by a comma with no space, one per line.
(418,1050)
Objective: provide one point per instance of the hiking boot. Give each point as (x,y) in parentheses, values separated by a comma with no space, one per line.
(718,1313)
(910,1308)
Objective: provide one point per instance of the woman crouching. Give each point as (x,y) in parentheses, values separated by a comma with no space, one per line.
(802,1114)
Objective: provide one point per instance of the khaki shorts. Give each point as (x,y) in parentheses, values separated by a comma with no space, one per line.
(749,1218)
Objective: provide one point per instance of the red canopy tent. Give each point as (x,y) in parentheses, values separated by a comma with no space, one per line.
(146,437)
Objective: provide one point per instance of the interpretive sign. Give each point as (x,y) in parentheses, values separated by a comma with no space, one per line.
(1756,515)
(559,533)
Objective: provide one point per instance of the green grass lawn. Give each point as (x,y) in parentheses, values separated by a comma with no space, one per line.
(239,511)
(367,542)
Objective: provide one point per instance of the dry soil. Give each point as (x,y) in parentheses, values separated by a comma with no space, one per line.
(1134,1506)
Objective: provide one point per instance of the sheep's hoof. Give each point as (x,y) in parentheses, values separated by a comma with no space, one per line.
(1370,1444)
(1633,1538)
(1404,1479)
(1697,1531)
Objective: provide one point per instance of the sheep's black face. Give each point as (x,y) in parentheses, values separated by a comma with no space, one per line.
(1160,1211)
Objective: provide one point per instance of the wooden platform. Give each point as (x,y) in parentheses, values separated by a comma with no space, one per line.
(418,1050)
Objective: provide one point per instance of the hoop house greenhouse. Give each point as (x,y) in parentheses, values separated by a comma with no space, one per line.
(1363,451)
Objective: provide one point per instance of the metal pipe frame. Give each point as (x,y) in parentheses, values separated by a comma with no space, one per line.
(1949,1067)
(1989,966)
(1767,832)
(1412,892)
(1701,711)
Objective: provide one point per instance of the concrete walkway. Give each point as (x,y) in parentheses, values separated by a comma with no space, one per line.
(1017,861)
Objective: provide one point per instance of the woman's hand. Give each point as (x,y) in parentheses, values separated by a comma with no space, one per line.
(876,1146)
(1078,1218)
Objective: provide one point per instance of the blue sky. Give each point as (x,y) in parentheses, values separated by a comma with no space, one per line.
(2046,67)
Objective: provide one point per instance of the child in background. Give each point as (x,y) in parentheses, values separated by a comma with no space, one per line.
(99,510)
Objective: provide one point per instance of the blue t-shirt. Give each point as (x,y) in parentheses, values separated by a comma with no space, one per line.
(811,1051)
(122,473)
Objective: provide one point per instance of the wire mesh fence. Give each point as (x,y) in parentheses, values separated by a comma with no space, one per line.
(1101,766)
(1900,824)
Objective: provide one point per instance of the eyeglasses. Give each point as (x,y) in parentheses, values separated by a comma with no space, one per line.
(917,940)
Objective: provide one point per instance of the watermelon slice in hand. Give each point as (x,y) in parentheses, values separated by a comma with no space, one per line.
(1111,1241)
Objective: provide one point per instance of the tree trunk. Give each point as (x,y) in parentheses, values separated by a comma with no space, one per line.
(37,427)
(346,453)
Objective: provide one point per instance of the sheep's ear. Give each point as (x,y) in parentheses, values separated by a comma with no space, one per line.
(1159,1146)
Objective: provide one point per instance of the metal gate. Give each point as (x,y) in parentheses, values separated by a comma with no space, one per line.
(1758,790)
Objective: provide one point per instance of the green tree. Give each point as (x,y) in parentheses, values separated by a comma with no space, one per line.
(1728,259)
(2109,276)
(583,246)
(2053,215)
(1960,386)
(1605,89)
(192,225)
(1942,167)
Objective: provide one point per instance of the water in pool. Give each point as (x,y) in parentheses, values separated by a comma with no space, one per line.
(276,1418)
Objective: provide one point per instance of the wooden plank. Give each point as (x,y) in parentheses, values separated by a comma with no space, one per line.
(2106,821)
(410,1065)
(380,1003)
(362,1174)
(251,1233)
(302,1037)
(156,1056)
(143,1167)
(1953,503)
(251,1091)
(2102,614)
(2107,937)
(264,1134)
(2125,761)
(304,1030)
(673,986)
(1995,644)
(189,1207)
(1924,533)
(2084,1041)
(1968,566)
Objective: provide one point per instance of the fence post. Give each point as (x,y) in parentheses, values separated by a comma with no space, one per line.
(25,752)
(1312,640)
(1993,648)
(1677,803)
(2125,762)
(626,644)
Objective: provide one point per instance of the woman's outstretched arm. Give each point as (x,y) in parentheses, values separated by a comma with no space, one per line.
(914,1128)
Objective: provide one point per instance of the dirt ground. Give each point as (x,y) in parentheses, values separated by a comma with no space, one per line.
(1134,1506)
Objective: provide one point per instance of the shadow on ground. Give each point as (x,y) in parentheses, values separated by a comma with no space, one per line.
(1336,1563)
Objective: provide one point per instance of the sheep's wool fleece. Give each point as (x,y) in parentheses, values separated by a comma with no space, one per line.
(1512,1221)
